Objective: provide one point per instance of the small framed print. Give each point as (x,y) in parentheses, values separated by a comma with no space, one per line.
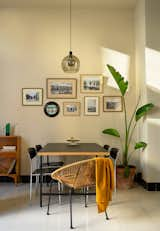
(71,108)
(32,96)
(61,88)
(91,105)
(112,104)
(51,109)
(91,83)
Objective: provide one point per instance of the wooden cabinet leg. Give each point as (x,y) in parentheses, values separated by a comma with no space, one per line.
(16,180)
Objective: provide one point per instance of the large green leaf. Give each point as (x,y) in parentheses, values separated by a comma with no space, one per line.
(112,132)
(142,111)
(140,144)
(123,85)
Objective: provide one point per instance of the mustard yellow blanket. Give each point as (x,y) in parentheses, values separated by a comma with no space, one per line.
(104,182)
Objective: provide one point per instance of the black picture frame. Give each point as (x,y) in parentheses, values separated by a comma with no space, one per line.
(51,109)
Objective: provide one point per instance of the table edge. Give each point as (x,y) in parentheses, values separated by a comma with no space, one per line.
(73,153)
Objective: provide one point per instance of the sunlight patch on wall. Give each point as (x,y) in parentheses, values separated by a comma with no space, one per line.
(118,60)
(152,69)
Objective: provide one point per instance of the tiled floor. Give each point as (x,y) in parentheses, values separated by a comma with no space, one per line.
(133,210)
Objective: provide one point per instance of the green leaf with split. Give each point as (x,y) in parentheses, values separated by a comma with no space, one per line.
(112,132)
(142,111)
(139,145)
(123,85)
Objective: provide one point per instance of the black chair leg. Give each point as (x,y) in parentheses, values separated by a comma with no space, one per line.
(49,199)
(47,160)
(107,218)
(70,196)
(85,197)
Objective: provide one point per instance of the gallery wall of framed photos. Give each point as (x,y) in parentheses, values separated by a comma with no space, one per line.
(73,96)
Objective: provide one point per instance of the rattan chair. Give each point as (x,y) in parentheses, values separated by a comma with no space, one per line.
(78,175)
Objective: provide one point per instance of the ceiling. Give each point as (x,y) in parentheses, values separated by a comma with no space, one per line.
(122,4)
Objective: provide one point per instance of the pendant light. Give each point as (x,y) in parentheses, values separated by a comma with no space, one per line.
(70,63)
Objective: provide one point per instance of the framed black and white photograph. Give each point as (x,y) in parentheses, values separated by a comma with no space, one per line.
(91,83)
(112,104)
(51,109)
(71,108)
(91,105)
(32,96)
(61,88)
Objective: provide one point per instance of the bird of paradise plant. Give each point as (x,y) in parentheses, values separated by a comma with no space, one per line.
(129,123)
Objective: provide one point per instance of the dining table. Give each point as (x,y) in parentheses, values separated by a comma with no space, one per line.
(66,149)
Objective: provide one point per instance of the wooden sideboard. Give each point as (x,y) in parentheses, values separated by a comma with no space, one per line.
(11,155)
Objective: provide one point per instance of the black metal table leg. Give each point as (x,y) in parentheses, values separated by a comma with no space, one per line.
(70,199)
(41,181)
(49,199)
(85,197)
(107,218)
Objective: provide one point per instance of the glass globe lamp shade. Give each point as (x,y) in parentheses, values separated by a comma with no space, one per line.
(70,63)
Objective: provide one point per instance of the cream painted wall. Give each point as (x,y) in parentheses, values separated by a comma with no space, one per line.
(148,35)
(152,157)
(32,45)
(152,41)
(152,24)
(140,39)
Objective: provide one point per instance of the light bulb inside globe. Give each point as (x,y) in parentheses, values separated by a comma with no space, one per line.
(70,63)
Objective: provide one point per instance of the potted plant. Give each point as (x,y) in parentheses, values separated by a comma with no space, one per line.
(126,172)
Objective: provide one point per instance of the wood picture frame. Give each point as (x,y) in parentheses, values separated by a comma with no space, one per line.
(61,88)
(91,105)
(32,96)
(71,108)
(112,104)
(91,83)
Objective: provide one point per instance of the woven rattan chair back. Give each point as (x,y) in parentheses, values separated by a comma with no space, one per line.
(77,175)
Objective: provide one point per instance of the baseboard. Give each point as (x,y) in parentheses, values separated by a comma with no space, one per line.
(6,179)
(151,186)
(138,178)
(24,179)
(154,186)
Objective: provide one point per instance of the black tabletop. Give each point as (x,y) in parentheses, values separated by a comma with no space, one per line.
(79,148)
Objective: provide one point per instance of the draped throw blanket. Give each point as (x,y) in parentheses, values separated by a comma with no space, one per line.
(104,182)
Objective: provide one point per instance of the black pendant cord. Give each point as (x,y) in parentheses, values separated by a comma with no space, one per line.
(70,24)
(70,63)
